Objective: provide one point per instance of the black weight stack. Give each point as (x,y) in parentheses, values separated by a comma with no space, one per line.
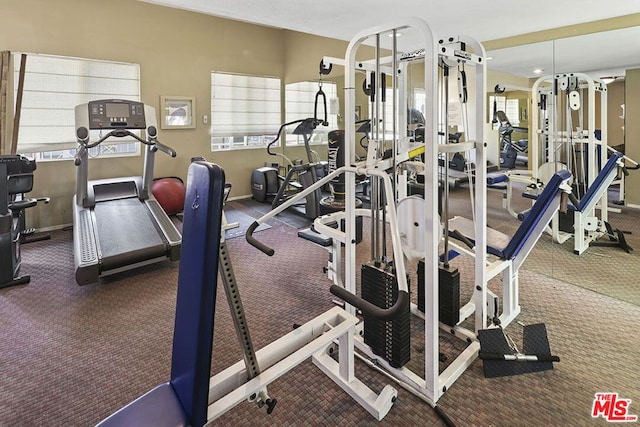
(390,340)
(448,294)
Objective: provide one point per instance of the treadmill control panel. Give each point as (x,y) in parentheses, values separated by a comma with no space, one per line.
(116,114)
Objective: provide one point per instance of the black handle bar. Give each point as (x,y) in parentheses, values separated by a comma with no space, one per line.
(320,93)
(365,306)
(279,133)
(523,358)
(254,242)
(370,309)
(313,123)
(574,201)
(120,133)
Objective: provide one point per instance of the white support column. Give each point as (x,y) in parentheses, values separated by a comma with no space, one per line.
(431,256)
(481,281)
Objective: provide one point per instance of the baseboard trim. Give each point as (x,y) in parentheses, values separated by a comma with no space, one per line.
(246,196)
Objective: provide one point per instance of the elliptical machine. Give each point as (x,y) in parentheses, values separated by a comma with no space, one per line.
(508,149)
(267,185)
(16,179)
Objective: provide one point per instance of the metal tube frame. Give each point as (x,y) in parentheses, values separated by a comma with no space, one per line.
(434,384)
(585,137)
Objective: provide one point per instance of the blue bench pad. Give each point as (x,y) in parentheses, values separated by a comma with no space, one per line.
(158,407)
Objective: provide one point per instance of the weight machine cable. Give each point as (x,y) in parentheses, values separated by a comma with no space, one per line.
(462,98)
(374,366)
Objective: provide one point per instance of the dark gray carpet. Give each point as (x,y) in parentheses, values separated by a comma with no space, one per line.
(71,355)
(244,221)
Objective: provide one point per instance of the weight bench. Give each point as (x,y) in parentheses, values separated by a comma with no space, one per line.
(192,397)
(511,251)
(587,227)
(183,400)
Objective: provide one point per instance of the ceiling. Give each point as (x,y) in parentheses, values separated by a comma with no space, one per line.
(483,20)
(604,54)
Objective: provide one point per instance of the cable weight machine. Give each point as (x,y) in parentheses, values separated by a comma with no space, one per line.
(424,224)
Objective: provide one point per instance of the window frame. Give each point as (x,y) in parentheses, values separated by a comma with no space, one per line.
(296,109)
(44,90)
(220,105)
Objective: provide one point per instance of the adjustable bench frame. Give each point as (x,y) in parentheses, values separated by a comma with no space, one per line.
(191,397)
(588,226)
(512,251)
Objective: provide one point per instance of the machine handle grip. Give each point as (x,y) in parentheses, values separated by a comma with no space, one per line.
(574,201)
(523,215)
(518,357)
(79,154)
(372,87)
(370,309)
(255,243)
(284,125)
(164,148)
(458,235)
(320,94)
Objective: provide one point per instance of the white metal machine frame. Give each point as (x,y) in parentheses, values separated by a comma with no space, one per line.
(434,383)
(556,140)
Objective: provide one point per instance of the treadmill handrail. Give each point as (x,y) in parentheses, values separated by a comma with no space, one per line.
(157,145)
(118,133)
(121,133)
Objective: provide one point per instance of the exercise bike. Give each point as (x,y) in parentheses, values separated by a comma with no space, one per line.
(16,179)
(268,185)
(510,151)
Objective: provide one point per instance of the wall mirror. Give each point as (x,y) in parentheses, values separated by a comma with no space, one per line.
(605,55)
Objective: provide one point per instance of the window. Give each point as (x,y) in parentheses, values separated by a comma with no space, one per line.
(245,111)
(53,86)
(511,108)
(419,99)
(300,100)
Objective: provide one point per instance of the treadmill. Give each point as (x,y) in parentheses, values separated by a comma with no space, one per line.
(117,223)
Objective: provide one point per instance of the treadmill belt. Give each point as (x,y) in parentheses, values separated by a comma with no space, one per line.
(127,233)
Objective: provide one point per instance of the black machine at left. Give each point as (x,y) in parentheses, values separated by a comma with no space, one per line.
(267,185)
(511,151)
(16,179)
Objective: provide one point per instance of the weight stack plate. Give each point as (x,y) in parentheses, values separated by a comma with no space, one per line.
(390,340)
(448,294)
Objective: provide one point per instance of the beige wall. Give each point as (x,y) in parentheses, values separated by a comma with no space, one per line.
(615,125)
(632,133)
(176,51)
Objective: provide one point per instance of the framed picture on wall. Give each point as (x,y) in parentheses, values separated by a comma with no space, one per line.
(178,112)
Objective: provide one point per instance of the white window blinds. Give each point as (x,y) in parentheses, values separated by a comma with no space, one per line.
(300,100)
(54,85)
(243,105)
(511,108)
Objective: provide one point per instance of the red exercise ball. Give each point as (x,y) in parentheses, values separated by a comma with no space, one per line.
(170,193)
